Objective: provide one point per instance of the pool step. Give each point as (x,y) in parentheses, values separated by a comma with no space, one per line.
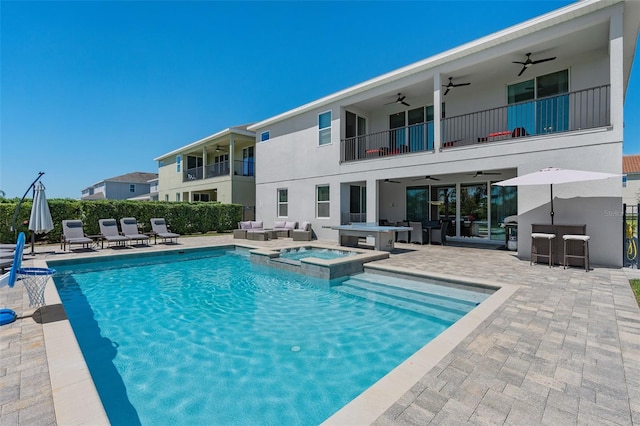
(467,296)
(427,299)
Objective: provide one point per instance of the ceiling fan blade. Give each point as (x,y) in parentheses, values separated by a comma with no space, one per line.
(390,103)
(521,63)
(446,91)
(391,181)
(542,60)
(524,68)
(427,178)
(404,103)
(461,84)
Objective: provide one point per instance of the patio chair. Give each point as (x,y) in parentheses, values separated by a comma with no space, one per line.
(159,228)
(418,235)
(73,233)
(130,230)
(439,235)
(109,232)
(302,234)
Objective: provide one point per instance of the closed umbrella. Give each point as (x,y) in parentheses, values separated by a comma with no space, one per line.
(552,176)
(40,221)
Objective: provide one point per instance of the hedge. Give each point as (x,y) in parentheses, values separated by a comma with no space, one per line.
(182,217)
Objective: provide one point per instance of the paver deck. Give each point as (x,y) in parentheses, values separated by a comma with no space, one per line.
(564,348)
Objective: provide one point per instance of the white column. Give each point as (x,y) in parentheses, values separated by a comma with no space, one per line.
(616,61)
(437,112)
(204,162)
(372,200)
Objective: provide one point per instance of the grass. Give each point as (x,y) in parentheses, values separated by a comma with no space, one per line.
(635,286)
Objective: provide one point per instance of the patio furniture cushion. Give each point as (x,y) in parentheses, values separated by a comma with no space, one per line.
(279,224)
(290,225)
(244,225)
(256,225)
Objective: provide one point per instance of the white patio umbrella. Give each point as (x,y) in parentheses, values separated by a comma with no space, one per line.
(40,220)
(552,176)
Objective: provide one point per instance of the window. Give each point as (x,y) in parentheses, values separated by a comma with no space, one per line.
(283,202)
(540,105)
(322,201)
(166,197)
(357,203)
(264,136)
(178,161)
(324,128)
(160,163)
(132,188)
(177,196)
(355,133)
(200,197)
(624,181)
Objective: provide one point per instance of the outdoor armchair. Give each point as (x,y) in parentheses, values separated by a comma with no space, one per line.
(159,227)
(304,233)
(130,230)
(418,235)
(109,232)
(73,233)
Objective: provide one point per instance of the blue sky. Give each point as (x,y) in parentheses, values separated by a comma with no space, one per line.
(92,90)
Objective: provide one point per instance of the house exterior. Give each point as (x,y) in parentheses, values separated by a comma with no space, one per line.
(408,145)
(220,167)
(121,187)
(631,186)
(152,195)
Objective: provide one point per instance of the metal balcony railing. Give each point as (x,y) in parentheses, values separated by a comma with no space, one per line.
(246,167)
(417,137)
(583,109)
(241,168)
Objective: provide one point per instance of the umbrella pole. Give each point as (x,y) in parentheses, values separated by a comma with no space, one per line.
(551,204)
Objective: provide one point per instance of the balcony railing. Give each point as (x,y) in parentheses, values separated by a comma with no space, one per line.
(242,168)
(582,109)
(417,137)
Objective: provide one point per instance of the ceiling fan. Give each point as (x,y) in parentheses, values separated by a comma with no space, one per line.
(427,178)
(450,85)
(391,181)
(400,100)
(526,64)
(481,173)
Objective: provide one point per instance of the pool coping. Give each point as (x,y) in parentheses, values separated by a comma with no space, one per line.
(70,375)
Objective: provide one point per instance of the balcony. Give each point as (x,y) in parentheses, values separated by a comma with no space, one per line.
(583,109)
(241,168)
(414,138)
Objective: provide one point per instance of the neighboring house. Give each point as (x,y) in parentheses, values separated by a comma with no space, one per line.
(152,195)
(120,187)
(428,140)
(631,180)
(220,167)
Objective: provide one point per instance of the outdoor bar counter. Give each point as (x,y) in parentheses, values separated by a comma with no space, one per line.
(559,230)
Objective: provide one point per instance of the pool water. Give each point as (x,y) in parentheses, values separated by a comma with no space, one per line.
(214,339)
(320,253)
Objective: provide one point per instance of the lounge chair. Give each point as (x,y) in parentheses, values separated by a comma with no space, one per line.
(159,227)
(129,226)
(109,232)
(417,233)
(302,234)
(73,233)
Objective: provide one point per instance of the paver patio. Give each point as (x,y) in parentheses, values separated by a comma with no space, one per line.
(563,349)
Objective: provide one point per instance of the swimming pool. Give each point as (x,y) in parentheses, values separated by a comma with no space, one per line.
(205,338)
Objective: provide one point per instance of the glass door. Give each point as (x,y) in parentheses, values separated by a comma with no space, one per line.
(418,204)
(397,132)
(504,202)
(473,211)
(443,201)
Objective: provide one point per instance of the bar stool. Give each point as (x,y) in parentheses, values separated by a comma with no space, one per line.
(534,251)
(585,249)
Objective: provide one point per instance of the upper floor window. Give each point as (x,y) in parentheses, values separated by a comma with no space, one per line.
(178,163)
(264,136)
(132,188)
(324,128)
(160,163)
(283,202)
(322,201)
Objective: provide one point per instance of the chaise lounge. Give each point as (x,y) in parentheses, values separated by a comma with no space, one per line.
(109,232)
(129,227)
(159,227)
(73,233)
